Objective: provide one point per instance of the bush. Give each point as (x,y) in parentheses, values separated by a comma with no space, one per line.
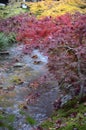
(11,10)
(57,7)
(62,38)
(6,41)
(3,41)
(11,38)
(64,41)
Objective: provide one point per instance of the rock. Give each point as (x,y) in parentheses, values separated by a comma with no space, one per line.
(65,99)
(4,53)
(24,6)
(84,114)
(84,103)
(1,109)
(75,128)
(1,87)
(3,5)
(18,65)
(5,89)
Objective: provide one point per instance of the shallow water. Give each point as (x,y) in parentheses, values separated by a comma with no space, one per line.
(17,71)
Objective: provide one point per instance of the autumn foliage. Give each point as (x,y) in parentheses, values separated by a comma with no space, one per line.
(56,7)
(62,38)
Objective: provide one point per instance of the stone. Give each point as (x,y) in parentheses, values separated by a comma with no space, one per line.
(84,114)
(18,65)
(1,4)
(84,103)
(24,6)
(75,128)
(4,53)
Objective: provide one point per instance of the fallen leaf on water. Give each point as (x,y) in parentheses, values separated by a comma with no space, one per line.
(23,106)
(11,88)
(31,98)
(35,57)
(37,62)
(34,85)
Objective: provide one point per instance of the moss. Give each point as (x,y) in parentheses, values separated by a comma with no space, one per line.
(16,79)
(11,10)
(70,118)
(70,104)
(47,124)
(30,120)
(71,126)
(6,121)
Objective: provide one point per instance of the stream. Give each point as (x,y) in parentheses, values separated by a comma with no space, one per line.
(19,88)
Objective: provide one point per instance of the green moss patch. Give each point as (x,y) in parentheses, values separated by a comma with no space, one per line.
(67,119)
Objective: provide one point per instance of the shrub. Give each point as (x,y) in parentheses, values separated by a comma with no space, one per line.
(3,41)
(12,38)
(11,10)
(54,8)
(62,38)
(64,41)
(6,41)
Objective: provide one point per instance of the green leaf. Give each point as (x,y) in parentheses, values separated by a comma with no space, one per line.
(30,120)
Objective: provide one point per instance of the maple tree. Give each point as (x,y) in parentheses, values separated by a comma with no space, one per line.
(61,38)
(67,57)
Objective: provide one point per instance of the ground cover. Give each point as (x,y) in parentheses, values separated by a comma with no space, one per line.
(72,116)
(11,10)
(54,8)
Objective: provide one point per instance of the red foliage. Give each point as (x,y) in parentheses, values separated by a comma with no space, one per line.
(63,39)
